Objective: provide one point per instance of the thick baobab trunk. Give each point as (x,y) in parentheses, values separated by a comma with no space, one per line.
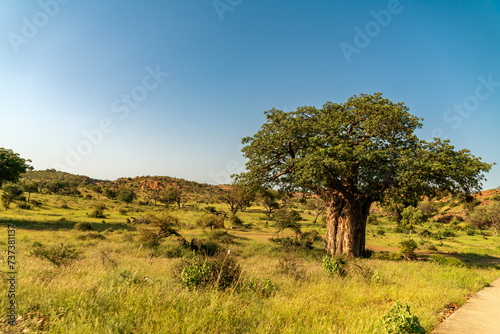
(345,226)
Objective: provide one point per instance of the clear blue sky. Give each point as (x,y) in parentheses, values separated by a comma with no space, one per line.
(171,87)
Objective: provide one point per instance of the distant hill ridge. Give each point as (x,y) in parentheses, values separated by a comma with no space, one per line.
(142,182)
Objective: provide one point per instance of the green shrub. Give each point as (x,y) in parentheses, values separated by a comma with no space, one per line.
(220,272)
(122,211)
(91,236)
(447,261)
(224,270)
(389,256)
(98,211)
(36,244)
(195,274)
(210,209)
(377,277)
(83,226)
(126,196)
(495,197)
(399,320)
(407,248)
(58,255)
(220,236)
(380,231)
(235,220)
(448,234)
(264,289)
(289,244)
(470,231)
(24,206)
(332,265)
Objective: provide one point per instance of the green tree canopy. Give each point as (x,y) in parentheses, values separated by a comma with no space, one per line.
(11,193)
(126,195)
(352,154)
(12,166)
(171,195)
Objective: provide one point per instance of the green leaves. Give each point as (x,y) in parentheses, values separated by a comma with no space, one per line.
(363,148)
(400,320)
(11,166)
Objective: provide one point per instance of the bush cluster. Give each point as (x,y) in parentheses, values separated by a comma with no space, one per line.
(333,265)
(220,272)
(400,320)
(58,255)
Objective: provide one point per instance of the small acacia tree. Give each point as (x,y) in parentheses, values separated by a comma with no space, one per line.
(11,193)
(268,198)
(12,166)
(171,195)
(352,154)
(238,197)
(30,187)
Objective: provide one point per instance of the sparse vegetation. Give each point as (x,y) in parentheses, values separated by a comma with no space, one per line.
(231,290)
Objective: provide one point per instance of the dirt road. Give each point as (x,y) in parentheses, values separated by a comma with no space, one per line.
(480,315)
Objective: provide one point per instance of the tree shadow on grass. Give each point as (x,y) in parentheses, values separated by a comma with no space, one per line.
(477,259)
(58,225)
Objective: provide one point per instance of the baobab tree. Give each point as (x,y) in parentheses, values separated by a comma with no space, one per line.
(352,154)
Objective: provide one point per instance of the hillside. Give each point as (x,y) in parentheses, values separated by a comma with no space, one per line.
(52,175)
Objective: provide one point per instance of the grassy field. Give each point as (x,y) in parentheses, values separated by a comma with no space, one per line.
(118,285)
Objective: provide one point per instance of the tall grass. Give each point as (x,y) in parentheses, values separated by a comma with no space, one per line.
(120,287)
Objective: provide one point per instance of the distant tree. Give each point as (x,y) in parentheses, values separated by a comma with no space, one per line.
(268,198)
(30,187)
(411,217)
(110,192)
(96,189)
(171,195)
(159,228)
(211,221)
(316,205)
(238,197)
(485,217)
(353,154)
(288,219)
(12,166)
(98,211)
(11,193)
(126,195)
